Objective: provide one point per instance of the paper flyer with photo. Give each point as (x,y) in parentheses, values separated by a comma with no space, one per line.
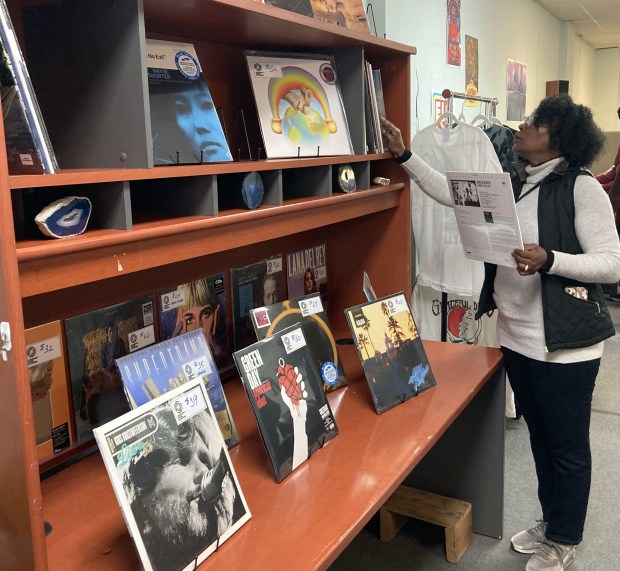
(486,216)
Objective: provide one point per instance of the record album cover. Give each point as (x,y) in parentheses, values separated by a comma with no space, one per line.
(185,125)
(173,479)
(157,369)
(302,7)
(200,304)
(94,341)
(391,351)
(28,146)
(255,285)
(299,104)
(49,389)
(309,311)
(346,13)
(306,272)
(286,395)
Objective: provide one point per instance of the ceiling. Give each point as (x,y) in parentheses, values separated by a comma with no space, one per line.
(596,22)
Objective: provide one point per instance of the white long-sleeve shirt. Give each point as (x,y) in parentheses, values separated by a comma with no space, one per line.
(518,298)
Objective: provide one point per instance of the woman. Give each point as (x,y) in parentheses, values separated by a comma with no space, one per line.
(552,317)
(309,282)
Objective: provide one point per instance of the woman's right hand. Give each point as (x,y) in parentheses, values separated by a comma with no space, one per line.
(394,138)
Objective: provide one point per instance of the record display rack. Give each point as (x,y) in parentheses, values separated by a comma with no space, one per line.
(153,228)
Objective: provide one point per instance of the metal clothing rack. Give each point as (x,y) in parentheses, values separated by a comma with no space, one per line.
(451,95)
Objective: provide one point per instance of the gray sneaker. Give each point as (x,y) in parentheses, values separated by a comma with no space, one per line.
(530,540)
(551,557)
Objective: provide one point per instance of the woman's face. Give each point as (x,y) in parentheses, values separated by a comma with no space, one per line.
(532,143)
(197,118)
(193,317)
(309,282)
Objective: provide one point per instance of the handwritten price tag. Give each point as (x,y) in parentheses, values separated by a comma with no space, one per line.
(274,266)
(172,300)
(311,306)
(397,304)
(197,367)
(189,404)
(43,351)
(141,338)
(293,340)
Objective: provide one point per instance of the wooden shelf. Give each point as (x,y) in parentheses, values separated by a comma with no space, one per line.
(326,501)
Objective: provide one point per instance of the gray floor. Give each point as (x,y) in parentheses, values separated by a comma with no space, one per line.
(419,546)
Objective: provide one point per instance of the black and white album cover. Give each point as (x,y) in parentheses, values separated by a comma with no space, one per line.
(286,395)
(173,478)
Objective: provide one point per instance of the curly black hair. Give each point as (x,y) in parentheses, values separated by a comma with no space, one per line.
(572,129)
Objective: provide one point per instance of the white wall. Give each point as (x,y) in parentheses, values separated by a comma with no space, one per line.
(607,88)
(519,30)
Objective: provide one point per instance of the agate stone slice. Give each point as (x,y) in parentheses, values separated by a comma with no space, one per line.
(65,217)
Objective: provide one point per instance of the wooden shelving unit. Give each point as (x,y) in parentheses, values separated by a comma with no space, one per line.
(86,60)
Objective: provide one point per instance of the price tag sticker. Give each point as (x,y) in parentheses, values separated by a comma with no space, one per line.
(274,266)
(293,340)
(320,273)
(197,367)
(43,351)
(141,338)
(172,300)
(311,305)
(397,304)
(266,69)
(189,404)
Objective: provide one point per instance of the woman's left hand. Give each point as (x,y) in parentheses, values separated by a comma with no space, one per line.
(530,259)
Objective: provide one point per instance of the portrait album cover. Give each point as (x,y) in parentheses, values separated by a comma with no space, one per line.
(94,341)
(255,285)
(306,272)
(391,351)
(299,104)
(309,311)
(159,368)
(286,394)
(49,389)
(173,478)
(185,125)
(199,304)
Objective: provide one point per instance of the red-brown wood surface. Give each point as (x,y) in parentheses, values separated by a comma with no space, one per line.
(309,518)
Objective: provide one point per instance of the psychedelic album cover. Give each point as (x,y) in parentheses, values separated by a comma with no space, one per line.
(299,105)
(200,304)
(306,272)
(255,285)
(391,351)
(185,124)
(94,341)
(302,7)
(346,13)
(157,369)
(49,389)
(286,394)
(173,479)
(309,311)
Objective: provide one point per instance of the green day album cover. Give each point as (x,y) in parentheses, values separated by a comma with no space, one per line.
(299,104)
(159,368)
(286,394)
(309,311)
(199,304)
(255,285)
(94,341)
(391,351)
(185,124)
(306,272)
(173,479)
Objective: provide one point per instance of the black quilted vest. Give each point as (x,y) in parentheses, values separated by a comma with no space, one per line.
(569,322)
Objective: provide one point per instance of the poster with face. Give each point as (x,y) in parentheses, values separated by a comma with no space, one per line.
(453,32)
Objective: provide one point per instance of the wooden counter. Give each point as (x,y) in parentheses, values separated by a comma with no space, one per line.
(312,515)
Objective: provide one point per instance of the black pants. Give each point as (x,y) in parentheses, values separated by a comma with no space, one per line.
(556,400)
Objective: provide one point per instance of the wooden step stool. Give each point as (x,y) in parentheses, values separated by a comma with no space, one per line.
(454,515)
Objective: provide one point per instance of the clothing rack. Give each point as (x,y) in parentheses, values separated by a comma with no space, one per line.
(451,95)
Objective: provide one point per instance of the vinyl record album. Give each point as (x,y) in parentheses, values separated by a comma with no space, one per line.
(252,190)
(346,178)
